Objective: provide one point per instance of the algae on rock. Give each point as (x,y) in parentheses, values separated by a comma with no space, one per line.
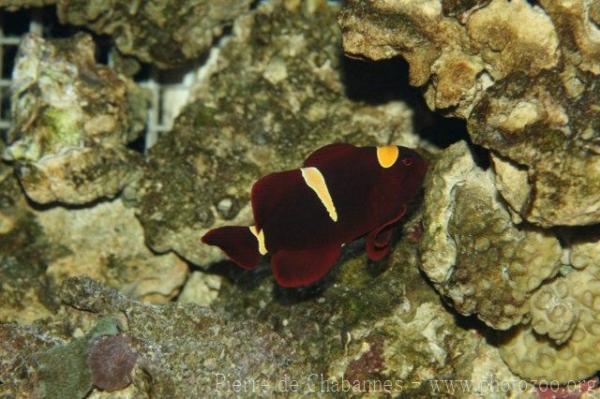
(182,351)
(364,324)
(167,33)
(62,371)
(262,108)
(71,121)
(25,253)
(13,5)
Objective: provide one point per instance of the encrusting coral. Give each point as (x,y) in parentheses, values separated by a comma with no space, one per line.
(561,343)
(554,312)
(111,359)
(469,234)
(512,277)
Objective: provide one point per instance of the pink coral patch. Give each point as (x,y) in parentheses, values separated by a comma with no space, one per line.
(111,360)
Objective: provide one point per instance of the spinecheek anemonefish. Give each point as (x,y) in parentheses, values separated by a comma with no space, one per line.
(304,216)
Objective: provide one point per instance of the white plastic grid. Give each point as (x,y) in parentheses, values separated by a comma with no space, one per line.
(166,99)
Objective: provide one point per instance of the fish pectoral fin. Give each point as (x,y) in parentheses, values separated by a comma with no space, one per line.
(378,240)
(296,268)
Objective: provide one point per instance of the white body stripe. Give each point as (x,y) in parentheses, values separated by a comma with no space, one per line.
(315,180)
(260,238)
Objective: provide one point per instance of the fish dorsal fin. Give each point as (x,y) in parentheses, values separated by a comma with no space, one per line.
(328,153)
(298,268)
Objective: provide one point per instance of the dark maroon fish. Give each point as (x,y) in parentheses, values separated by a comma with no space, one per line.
(304,216)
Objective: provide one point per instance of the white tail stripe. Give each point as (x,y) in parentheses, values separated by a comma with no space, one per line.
(315,180)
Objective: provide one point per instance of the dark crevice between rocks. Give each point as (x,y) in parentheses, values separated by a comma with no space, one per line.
(244,279)
(443,131)
(481,155)
(472,322)
(4,111)
(255,4)
(8,63)
(572,235)
(51,26)
(16,23)
(380,82)
(139,144)
(295,296)
(103,48)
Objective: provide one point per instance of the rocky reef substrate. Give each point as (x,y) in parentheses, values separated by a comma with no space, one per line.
(494,281)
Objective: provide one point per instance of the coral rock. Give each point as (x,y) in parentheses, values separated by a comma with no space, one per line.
(471,250)
(524,76)
(25,253)
(553,312)
(572,312)
(201,289)
(107,242)
(512,36)
(535,124)
(187,27)
(71,121)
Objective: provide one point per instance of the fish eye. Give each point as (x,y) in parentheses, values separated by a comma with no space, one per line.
(407,161)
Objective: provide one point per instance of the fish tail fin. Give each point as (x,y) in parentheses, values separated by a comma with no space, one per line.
(238,242)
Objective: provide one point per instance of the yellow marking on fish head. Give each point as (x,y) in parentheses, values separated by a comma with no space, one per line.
(387,155)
